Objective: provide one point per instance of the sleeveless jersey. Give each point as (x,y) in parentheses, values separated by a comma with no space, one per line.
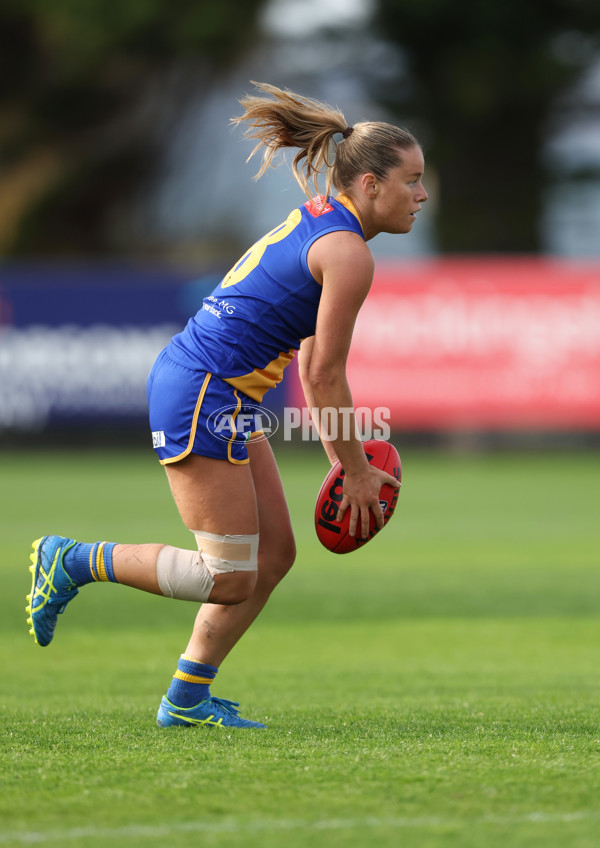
(250,326)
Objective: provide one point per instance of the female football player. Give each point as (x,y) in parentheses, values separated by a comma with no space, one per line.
(300,287)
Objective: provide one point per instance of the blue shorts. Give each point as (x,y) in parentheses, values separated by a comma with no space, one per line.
(197,412)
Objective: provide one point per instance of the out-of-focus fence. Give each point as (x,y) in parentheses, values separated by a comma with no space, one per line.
(481,343)
(444,344)
(76,343)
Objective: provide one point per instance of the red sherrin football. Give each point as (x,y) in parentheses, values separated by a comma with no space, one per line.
(334,534)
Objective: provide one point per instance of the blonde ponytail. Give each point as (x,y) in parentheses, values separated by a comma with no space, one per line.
(286,119)
(290,120)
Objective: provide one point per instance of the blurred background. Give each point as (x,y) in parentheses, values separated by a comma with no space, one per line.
(125,196)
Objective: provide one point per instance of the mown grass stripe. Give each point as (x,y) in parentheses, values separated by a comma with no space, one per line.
(274,825)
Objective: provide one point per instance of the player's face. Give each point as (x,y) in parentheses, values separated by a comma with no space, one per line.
(398,197)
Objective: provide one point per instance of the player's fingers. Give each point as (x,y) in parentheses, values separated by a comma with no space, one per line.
(389,478)
(378,513)
(354,514)
(342,507)
(365,520)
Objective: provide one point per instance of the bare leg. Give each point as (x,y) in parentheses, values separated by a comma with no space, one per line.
(211,495)
(218,628)
(135,565)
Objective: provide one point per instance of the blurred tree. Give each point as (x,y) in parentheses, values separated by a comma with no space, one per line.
(88,92)
(482,83)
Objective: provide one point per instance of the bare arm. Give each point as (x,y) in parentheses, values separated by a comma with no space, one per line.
(304,361)
(344,265)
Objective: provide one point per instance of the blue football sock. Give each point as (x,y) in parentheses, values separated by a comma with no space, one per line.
(191,682)
(85,563)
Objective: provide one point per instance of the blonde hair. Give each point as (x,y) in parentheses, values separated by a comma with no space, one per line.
(289,120)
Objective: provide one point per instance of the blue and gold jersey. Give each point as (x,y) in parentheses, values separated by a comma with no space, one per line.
(249,328)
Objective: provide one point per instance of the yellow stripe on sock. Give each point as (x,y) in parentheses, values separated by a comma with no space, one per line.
(93,571)
(100,567)
(191,678)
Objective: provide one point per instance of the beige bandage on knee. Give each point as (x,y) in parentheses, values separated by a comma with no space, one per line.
(223,554)
(183,574)
(189,575)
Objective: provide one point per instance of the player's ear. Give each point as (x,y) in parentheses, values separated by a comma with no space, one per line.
(369,185)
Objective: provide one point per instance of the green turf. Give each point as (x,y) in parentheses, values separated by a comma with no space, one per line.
(437,688)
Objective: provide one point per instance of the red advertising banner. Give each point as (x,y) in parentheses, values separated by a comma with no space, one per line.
(481,343)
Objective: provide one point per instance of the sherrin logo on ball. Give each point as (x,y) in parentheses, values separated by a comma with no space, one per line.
(333,534)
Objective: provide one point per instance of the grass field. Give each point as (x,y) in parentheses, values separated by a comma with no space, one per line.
(438,688)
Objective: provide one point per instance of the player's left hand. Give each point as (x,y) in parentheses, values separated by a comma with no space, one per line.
(361,495)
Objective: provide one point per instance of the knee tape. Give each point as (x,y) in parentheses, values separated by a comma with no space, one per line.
(189,575)
(183,575)
(223,554)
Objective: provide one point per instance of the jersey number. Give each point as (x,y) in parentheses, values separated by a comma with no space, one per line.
(252,257)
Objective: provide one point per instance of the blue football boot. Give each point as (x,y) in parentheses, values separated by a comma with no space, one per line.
(213,712)
(51,588)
